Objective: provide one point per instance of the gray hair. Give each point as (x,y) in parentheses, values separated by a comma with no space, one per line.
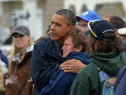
(70,16)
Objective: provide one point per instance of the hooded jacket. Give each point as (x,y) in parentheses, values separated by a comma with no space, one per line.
(88,82)
(60,83)
(20,75)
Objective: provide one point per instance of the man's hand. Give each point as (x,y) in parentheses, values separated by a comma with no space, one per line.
(72,66)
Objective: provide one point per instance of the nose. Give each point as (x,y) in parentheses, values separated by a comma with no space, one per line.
(63,47)
(52,27)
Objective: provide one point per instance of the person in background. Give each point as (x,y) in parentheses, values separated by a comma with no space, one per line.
(48,32)
(75,45)
(106,61)
(19,80)
(118,23)
(4,58)
(3,72)
(10,39)
(86,17)
(120,86)
(122,33)
(47,53)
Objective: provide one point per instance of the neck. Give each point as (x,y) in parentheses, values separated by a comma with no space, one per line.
(23,52)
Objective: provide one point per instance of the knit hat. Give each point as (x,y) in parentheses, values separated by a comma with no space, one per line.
(98,29)
(89,16)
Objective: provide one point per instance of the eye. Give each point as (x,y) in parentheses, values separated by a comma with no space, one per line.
(58,24)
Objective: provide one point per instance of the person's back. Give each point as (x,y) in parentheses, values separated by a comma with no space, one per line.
(106,61)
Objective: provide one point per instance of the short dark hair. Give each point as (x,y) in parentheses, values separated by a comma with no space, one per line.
(70,16)
(117,22)
(78,38)
(115,45)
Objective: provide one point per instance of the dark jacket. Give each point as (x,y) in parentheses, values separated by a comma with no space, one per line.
(120,86)
(124,52)
(60,83)
(46,59)
(3,58)
(20,75)
(87,81)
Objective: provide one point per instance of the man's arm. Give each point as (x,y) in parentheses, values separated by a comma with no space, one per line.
(72,66)
(41,67)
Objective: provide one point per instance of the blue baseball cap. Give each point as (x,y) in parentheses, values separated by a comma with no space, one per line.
(89,16)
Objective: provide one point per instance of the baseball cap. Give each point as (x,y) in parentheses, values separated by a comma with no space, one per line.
(89,16)
(23,30)
(122,31)
(98,29)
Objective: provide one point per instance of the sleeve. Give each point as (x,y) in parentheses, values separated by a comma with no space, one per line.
(41,70)
(120,85)
(59,84)
(81,85)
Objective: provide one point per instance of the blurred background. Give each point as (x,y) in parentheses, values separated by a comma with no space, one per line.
(37,14)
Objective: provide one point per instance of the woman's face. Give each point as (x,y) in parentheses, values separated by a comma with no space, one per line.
(21,41)
(68,47)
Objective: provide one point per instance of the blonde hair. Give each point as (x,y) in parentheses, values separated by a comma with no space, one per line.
(15,50)
(1,79)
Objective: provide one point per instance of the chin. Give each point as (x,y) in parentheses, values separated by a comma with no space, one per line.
(54,38)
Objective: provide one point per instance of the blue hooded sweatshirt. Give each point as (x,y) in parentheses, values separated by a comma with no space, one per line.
(60,83)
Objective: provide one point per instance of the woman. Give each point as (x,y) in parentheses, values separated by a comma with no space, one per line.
(19,81)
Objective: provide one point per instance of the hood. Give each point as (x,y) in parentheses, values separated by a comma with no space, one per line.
(110,63)
(82,56)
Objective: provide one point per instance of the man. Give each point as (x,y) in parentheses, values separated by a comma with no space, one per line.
(86,17)
(118,24)
(47,53)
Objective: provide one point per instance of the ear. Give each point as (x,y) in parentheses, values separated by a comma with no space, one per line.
(78,48)
(116,30)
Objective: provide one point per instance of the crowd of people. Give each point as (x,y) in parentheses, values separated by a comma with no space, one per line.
(81,55)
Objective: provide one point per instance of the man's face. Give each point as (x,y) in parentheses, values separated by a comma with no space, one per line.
(59,28)
(84,24)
